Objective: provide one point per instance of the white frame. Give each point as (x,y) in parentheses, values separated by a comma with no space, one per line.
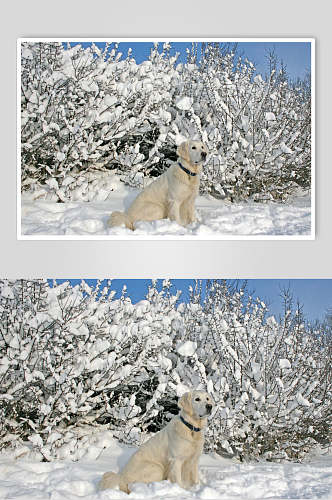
(134,237)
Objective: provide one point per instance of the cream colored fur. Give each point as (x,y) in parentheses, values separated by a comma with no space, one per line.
(170,196)
(171,454)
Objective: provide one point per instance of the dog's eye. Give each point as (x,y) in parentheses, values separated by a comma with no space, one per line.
(197,399)
(194,147)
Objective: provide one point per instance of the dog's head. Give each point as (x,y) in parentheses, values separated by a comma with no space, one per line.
(197,404)
(193,152)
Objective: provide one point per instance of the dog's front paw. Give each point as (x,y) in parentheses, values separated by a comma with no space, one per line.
(191,485)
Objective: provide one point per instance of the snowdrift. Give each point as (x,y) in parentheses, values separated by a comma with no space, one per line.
(226,479)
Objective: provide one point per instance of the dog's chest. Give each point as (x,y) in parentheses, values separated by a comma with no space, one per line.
(191,186)
(194,445)
(184,179)
(193,440)
(192,180)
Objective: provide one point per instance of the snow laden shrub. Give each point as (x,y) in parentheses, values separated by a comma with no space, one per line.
(48,344)
(271,379)
(86,110)
(72,356)
(258,130)
(76,360)
(91,110)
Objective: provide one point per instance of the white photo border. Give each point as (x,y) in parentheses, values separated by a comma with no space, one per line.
(310,237)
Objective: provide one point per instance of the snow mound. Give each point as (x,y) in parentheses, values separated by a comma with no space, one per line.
(216,218)
(220,479)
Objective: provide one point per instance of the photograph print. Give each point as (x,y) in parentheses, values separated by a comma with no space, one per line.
(135,139)
(165,389)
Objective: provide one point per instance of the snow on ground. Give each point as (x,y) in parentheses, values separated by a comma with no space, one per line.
(220,478)
(216,218)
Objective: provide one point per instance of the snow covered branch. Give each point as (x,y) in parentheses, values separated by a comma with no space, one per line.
(86,110)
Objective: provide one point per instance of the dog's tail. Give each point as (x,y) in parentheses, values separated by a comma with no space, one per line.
(110,480)
(120,218)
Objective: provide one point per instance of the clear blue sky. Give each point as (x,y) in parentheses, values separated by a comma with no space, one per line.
(314,294)
(295,55)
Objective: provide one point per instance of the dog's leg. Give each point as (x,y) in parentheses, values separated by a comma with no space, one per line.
(174,212)
(194,475)
(187,211)
(175,472)
(191,210)
(146,212)
(190,475)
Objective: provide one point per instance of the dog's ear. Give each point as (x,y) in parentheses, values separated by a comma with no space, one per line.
(185,403)
(182,150)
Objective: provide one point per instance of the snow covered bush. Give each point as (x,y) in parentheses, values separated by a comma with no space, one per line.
(75,359)
(86,110)
(271,379)
(259,130)
(74,355)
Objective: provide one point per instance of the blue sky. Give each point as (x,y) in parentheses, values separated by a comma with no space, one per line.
(296,55)
(314,294)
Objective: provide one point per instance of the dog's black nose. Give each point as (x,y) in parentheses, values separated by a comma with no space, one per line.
(209,408)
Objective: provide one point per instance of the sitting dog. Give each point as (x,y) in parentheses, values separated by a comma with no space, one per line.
(172,453)
(170,196)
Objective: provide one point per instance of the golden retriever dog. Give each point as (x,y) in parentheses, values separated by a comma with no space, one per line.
(172,453)
(170,196)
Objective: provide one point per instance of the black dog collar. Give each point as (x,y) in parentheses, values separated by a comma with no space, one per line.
(191,427)
(186,170)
